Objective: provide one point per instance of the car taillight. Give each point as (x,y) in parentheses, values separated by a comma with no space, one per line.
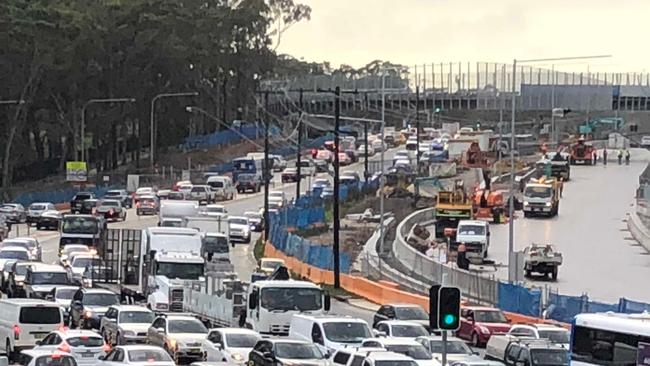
(106,347)
(16,332)
(110,212)
(138,204)
(64,347)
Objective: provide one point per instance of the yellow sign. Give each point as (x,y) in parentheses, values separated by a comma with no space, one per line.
(76,171)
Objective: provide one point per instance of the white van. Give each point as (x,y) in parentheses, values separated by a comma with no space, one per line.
(23,322)
(222,186)
(41,278)
(329,332)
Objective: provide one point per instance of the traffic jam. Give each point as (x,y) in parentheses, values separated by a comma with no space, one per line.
(169,295)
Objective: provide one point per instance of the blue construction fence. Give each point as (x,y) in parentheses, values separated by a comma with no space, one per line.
(57,196)
(563,308)
(227,137)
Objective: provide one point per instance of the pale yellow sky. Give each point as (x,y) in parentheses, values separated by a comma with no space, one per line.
(356,32)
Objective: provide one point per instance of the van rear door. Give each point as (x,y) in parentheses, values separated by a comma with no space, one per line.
(36,321)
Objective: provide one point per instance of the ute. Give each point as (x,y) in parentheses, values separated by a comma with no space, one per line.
(542,197)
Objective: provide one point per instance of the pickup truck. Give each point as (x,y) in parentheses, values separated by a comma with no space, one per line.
(203,193)
(497,346)
(77,201)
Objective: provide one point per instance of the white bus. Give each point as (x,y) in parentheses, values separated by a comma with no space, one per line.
(610,339)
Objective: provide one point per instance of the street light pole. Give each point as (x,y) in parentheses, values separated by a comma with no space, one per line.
(335,209)
(152,115)
(191,109)
(19,101)
(382,177)
(83,118)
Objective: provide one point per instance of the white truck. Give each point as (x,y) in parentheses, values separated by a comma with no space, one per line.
(475,234)
(206,224)
(172,212)
(170,262)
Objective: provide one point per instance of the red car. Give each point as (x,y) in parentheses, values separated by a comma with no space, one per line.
(478,324)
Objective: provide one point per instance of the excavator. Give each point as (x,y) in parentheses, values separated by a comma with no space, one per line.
(489,204)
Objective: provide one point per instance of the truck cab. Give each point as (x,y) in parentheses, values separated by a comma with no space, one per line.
(81,229)
(272,304)
(542,197)
(475,234)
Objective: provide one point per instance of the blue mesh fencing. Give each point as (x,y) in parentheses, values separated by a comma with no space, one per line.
(227,137)
(518,299)
(630,306)
(563,308)
(600,307)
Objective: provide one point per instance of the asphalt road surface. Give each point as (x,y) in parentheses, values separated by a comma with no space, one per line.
(600,256)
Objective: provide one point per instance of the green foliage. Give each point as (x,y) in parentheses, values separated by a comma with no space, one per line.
(58,54)
(258,250)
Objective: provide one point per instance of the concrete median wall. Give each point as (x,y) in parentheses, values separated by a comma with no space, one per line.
(638,230)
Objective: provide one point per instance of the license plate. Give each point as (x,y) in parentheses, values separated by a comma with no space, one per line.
(87,355)
(537,209)
(39,335)
(194,350)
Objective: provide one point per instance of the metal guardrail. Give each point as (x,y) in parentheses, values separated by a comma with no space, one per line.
(473,286)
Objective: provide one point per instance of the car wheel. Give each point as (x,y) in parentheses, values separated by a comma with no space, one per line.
(475,340)
(10,354)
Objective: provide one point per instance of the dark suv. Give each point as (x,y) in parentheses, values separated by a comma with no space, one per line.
(89,306)
(77,201)
(249,182)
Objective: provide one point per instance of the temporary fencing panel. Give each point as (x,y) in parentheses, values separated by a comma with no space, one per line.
(630,306)
(57,196)
(563,308)
(601,307)
(518,299)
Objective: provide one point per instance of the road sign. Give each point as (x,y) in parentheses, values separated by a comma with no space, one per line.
(76,171)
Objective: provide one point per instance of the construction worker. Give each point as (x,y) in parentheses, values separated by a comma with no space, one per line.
(627,157)
(605,156)
(620,156)
(561,185)
(594,156)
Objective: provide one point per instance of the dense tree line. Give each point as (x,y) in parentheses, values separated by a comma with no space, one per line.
(55,55)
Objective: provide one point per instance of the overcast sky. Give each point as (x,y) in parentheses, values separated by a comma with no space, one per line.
(356,32)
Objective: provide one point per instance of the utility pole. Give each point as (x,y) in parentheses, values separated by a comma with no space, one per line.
(417,125)
(298,151)
(365,143)
(266,169)
(337,222)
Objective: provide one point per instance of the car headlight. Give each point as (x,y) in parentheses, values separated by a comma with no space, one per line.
(237,357)
(129,333)
(548,204)
(173,344)
(526,203)
(88,314)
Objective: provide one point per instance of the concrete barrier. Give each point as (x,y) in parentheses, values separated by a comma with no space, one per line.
(638,230)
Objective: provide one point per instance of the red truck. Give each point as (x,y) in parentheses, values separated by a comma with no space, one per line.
(581,153)
(478,324)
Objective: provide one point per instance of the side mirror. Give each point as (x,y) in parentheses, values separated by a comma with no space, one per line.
(76,303)
(379,333)
(49,298)
(38,343)
(270,356)
(101,358)
(160,330)
(327,302)
(252,301)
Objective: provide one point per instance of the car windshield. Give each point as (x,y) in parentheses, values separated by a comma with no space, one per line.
(471,230)
(253,215)
(113,193)
(101,299)
(410,313)
(80,225)
(555,336)
(144,317)
(49,278)
(409,331)
(86,262)
(55,360)
(489,316)
(13,254)
(538,192)
(346,332)
(291,298)
(85,341)
(21,270)
(272,265)
(82,196)
(274,205)
(183,271)
(198,189)
(215,244)
(216,209)
(37,207)
(548,357)
(415,351)
(65,293)
(186,326)
(21,244)
(455,347)
(395,363)
(77,248)
(238,221)
(8,265)
(148,355)
(241,340)
(216,184)
(297,351)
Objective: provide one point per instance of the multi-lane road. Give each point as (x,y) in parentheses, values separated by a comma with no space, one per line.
(242,255)
(600,256)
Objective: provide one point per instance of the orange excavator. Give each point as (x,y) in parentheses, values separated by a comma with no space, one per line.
(490,206)
(474,157)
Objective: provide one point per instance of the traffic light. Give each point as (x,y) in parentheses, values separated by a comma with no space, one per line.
(449,308)
(437,110)
(433,306)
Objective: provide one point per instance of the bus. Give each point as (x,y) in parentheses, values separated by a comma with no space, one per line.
(247,165)
(610,339)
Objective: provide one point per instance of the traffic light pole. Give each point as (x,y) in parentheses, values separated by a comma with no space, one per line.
(298,151)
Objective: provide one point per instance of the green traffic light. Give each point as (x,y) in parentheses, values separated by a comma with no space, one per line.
(449,319)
